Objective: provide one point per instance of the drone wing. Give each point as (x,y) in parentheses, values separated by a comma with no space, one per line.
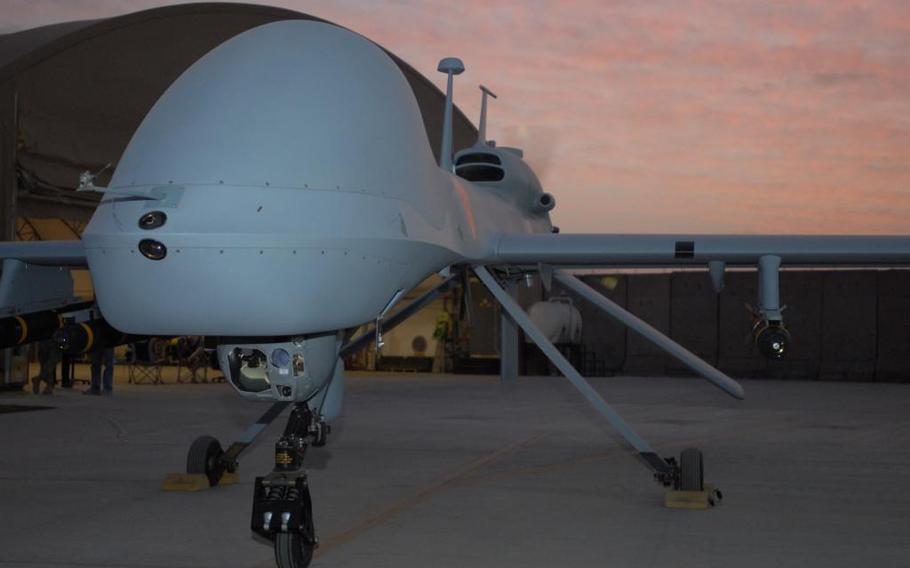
(664,250)
(46,253)
(767,252)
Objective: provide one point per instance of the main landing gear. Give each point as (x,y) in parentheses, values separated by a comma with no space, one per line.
(282,509)
(686,476)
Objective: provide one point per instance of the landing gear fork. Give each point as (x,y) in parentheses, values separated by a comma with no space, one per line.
(282,508)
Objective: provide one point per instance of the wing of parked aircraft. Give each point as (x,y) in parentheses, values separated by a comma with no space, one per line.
(45,253)
(673,250)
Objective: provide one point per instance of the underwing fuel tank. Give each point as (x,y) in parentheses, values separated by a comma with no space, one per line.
(26,328)
(86,337)
(36,326)
(281,186)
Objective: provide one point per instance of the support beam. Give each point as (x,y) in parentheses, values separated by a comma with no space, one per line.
(600,405)
(508,339)
(399,316)
(641,327)
(769,287)
(8,181)
(716,269)
(8,185)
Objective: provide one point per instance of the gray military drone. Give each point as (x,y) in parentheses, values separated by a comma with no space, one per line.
(281,194)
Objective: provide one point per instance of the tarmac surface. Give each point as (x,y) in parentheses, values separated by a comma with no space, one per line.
(449,471)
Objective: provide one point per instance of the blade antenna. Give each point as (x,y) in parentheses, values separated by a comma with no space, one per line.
(482,130)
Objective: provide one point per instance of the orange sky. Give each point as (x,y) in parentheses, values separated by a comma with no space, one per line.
(668,115)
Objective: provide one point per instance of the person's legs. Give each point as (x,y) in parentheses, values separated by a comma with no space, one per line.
(42,354)
(108,357)
(66,378)
(49,367)
(46,375)
(96,373)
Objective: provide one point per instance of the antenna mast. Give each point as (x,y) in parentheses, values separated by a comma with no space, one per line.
(482,131)
(451,66)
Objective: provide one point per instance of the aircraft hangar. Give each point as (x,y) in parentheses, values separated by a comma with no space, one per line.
(75,92)
(447,469)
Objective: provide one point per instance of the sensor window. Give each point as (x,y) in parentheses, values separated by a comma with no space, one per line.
(152,250)
(152,220)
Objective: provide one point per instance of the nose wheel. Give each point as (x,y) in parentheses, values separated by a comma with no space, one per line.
(282,510)
(205,457)
(292,551)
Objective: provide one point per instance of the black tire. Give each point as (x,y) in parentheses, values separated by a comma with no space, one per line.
(292,551)
(322,431)
(203,458)
(691,470)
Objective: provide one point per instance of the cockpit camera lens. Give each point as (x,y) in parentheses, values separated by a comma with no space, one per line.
(152,249)
(281,358)
(152,220)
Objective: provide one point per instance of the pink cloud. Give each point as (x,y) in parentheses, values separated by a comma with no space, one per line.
(671,115)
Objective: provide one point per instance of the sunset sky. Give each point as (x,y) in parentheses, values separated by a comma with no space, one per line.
(663,116)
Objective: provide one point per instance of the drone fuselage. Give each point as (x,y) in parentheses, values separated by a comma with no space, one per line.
(299,192)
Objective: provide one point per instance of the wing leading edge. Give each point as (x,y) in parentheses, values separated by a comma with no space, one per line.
(670,250)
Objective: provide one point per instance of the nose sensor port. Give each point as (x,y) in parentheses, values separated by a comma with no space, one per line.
(152,220)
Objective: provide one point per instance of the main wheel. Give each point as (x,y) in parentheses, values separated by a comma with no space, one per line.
(292,551)
(692,470)
(204,457)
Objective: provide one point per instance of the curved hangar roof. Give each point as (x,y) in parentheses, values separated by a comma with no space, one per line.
(75,92)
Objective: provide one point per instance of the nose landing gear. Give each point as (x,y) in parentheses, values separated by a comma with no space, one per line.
(282,509)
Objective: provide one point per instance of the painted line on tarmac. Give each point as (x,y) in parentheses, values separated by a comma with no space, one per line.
(329,544)
(622,451)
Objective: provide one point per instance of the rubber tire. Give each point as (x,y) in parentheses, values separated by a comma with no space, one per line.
(292,551)
(322,435)
(691,470)
(203,458)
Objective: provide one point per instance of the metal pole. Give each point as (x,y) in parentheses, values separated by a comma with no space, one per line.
(566,368)
(8,184)
(445,151)
(508,339)
(634,323)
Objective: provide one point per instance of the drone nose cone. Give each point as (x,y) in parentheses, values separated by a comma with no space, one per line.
(278,165)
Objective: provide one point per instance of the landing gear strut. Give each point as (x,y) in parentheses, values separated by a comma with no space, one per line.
(282,510)
(207,458)
(686,475)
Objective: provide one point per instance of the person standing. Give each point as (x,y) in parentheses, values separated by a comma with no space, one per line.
(66,372)
(48,357)
(102,383)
